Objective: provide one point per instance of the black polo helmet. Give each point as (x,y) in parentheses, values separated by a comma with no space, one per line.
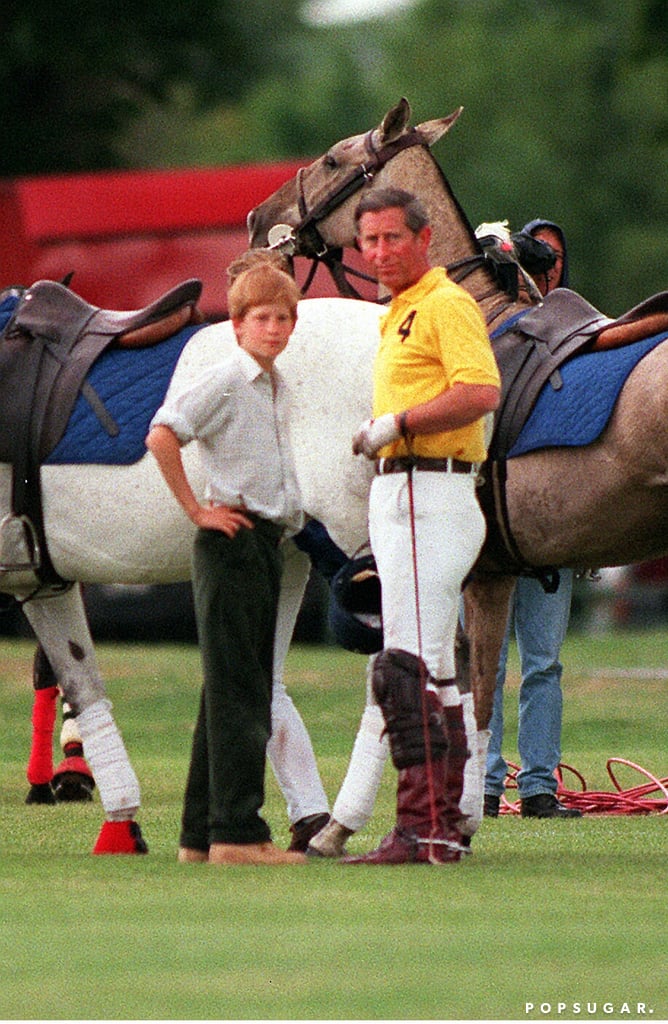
(355,608)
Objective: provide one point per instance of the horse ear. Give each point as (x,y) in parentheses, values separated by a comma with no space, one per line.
(395,121)
(435,130)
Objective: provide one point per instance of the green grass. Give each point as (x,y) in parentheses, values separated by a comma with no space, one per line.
(543,912)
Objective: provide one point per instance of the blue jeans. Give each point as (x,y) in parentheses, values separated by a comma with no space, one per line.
(541,622)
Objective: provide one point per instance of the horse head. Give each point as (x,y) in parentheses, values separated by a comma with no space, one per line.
(312,212)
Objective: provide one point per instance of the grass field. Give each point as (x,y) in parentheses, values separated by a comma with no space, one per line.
(543,913)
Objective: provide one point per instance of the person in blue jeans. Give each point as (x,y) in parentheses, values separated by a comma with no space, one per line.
(540,621)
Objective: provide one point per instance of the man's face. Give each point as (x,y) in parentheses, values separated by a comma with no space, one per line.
(397,255)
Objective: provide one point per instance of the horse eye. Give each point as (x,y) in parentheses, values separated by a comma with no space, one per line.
(330,162)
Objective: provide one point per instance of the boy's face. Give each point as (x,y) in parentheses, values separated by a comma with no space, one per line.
(264,331)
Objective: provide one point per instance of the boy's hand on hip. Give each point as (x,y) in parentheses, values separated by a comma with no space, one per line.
(221,517)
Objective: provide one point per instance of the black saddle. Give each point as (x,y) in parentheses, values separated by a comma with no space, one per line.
(531,352)
(46,349)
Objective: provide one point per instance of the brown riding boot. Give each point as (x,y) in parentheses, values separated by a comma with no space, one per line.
(415,839)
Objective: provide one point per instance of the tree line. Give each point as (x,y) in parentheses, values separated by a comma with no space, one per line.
(565,112)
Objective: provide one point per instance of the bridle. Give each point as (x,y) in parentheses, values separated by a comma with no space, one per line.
(313,245)
(311,242)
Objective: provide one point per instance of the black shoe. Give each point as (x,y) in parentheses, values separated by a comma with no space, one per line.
(546,805)
(304,830)
(492,804)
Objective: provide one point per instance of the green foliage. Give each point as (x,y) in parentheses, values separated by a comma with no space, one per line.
(70,83)
(565,104)
(542,911)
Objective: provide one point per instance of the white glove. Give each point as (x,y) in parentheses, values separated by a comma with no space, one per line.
(372,435)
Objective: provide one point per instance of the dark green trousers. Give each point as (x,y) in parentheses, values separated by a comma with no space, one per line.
(236,584)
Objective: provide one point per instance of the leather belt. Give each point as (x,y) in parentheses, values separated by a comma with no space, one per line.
(406,463)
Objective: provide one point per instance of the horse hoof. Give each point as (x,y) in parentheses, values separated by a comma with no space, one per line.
(72,781)
(41,793)
(120,837)
(72,787)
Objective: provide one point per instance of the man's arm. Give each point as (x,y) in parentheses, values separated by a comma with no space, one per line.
(454,408)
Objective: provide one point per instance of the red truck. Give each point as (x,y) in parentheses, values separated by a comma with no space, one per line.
(128,236)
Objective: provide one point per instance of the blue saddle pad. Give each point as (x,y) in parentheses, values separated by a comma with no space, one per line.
(579,411)
(132,384)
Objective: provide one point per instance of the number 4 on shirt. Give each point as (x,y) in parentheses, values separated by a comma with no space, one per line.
(404,328)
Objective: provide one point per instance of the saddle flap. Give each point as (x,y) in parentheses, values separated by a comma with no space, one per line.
(561,315)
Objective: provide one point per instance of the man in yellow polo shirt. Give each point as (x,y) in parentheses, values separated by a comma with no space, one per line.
(435,381)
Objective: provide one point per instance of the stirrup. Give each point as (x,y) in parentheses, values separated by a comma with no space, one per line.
(18,533)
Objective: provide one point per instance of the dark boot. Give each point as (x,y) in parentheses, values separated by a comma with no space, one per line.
(305,829)
(546,805)
(417,736)
(418,836)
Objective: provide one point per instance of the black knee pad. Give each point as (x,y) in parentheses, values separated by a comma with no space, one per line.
(398,679)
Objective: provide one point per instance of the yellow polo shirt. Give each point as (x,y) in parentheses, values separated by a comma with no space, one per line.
(433,336)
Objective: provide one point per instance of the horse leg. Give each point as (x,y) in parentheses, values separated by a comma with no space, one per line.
(40,761)
(486,604)
(72,779)
(61,627)
(289,751)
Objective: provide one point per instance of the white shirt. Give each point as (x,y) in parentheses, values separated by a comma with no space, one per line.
(237,413)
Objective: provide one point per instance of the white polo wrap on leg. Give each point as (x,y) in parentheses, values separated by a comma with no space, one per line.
(105,752)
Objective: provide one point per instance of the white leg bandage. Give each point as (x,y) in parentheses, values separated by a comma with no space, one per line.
(357,796)
(471,803)
(105,752)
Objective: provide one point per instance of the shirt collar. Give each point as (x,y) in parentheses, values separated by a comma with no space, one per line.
(249,366)
(429,280)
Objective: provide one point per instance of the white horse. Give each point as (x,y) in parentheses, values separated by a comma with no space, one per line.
(119,524)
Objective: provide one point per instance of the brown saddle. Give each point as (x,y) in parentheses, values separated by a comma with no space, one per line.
(531,352)
(46,350)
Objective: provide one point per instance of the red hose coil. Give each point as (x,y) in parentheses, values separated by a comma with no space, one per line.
(635,800)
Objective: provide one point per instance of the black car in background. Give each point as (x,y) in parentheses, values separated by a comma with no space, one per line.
(162,612)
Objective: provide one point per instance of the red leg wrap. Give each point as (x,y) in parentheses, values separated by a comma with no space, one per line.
(40,763)
(120,837)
